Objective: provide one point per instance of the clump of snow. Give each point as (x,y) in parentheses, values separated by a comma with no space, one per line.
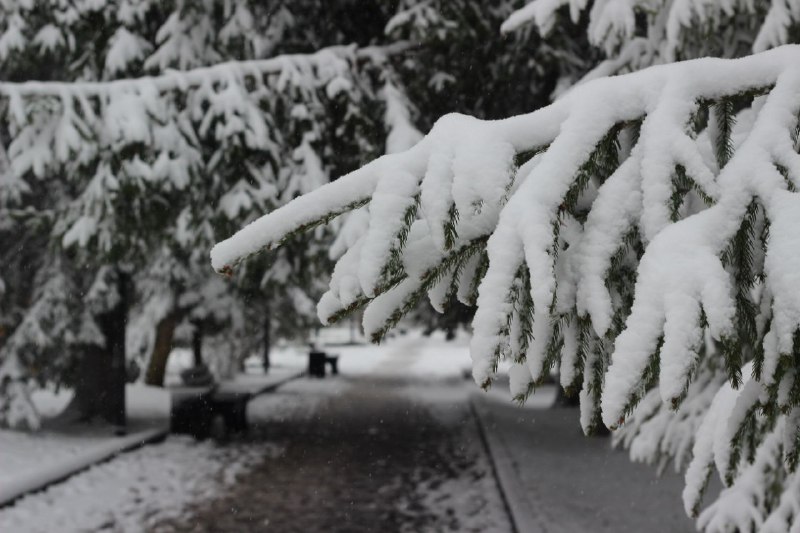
(50,402)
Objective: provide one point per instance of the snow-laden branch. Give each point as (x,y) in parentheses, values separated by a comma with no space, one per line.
(635,34)
(327,63)
(165,131)
(599,105)
(640,228)
(612,23)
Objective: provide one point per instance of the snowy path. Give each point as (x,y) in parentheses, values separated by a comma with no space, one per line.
(571,483)
(381,447)
(374,453)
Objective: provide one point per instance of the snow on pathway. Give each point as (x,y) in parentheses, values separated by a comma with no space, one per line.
(135,490)
(383,451)
(23,452)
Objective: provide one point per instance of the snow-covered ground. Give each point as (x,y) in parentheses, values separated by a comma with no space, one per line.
(473,502)
(139,488)
(30,460)
(135,490)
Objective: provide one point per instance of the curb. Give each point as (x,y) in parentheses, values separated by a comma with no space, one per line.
(274,386)
(504,468)
(38,481)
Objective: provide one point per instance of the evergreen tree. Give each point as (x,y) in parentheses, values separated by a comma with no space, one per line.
(638,234)
(157,169)
(161,167)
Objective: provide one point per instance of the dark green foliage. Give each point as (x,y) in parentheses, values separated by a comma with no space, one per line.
(586,342)
(785,173)
(505,329)
(523,310)
(428,280)
(600,164)
(483,266)
(393,268)
(523,157)
(598,363)
(745,342)
(682,183)
(725,121)
(792,453)
(450,232)
(463,65)
(648,379)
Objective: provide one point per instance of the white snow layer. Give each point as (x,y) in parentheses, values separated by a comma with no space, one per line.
(135,491)
(612,24)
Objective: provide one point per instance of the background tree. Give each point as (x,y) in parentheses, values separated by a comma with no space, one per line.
(160,168)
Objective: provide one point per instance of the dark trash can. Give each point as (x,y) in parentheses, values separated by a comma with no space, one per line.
(316,363)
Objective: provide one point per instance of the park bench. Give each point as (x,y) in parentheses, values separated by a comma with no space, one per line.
(208,412)
(317,360)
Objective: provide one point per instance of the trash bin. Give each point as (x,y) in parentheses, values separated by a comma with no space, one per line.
(316,363)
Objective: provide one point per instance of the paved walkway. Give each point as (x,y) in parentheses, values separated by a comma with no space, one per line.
(384,455)
(560,481)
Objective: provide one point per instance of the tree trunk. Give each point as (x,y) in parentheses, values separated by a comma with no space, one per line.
(165,330)
(267,341)
(197,344)
(101,371)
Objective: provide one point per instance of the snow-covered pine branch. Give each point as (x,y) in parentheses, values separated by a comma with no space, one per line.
(58,125)
(635,34)
(610,232)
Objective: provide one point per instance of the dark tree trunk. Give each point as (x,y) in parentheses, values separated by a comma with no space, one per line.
(267,341)
(165,331)
(101,371)
(197,344)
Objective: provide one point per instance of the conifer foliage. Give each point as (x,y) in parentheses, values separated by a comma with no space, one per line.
(136,134)
(638,234)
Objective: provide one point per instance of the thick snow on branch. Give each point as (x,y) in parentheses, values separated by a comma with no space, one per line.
(158,131)
(330,61)
(635,34)
(640,231)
